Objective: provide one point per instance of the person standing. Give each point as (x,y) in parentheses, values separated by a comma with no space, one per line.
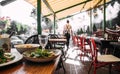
(67,32)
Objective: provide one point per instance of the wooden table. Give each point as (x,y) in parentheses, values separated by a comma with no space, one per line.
(58,40)
(62,37)
(59,44)
(116,49)
(104,45)
(27,67)
(115,44)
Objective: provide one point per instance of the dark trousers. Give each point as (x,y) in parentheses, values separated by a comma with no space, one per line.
(67,35)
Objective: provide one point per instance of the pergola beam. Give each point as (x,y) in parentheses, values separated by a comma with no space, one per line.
(69,7)
(48,5)
(83,6)
(73,6)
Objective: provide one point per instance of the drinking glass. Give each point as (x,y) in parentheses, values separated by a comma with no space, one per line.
(43,39)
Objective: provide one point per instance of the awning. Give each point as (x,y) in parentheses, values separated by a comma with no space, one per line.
(64,8)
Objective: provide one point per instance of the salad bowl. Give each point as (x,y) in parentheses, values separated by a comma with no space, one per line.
(41,55)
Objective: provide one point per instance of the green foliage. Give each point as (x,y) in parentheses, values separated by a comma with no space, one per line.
(88,30)
(79,31)
(94,28)
(3,22)
(1,52)
(17,27)
(39,53)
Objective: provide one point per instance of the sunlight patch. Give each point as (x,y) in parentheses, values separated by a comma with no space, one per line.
(69,61)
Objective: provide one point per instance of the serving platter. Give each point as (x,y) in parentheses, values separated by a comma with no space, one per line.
(46,59)
(17,58)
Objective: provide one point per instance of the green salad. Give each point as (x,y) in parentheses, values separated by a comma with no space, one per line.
(39,53)
(5,57)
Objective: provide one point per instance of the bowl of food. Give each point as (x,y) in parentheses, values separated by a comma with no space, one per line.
(26,47)
(40,55)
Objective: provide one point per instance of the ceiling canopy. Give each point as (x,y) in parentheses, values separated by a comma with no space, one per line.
(64,8)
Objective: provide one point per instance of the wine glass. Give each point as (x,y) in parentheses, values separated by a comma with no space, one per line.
(43,39)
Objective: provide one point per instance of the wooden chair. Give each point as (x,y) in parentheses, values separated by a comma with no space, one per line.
(84,47)
(75,40)
(99,61)
(34,40)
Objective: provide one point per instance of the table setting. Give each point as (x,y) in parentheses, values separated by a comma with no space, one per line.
(33,54)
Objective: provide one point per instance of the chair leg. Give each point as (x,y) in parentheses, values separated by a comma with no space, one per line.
(63,54)
(95,70)
(110,66)
(81,57)
(62,65)
(90,67)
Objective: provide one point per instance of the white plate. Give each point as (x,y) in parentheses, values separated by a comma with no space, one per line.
(24,47)
(27,45)
(18,57)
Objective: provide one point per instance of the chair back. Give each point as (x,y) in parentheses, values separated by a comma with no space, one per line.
(35,40)
(32,39)
(79,41)
(53,36)
(85,43)
(75,39)
(93,50)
